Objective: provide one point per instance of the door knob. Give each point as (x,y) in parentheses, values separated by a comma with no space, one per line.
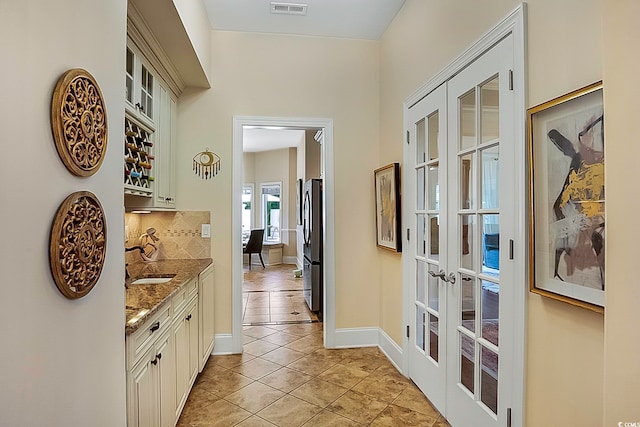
(440,274)
(451,278)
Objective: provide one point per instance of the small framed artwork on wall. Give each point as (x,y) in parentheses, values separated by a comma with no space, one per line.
(388,224)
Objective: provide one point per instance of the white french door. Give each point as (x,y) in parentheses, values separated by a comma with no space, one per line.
(462,199)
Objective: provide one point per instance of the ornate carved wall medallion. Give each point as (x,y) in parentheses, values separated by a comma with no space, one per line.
(78,244)
(79,122)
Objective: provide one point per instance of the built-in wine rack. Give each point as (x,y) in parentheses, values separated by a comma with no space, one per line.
(138,159)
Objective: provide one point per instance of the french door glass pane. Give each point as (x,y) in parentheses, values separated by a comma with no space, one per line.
(467,361)
(491,244)
(420,327)
(490,110)
(467,247)
(467,196)
(433,136)
(433,289)
(420,141)
(434,237)
(468,119)
(421,280)
(468,301)
(489,378)
(434,188)
(489,308)
(433,337)
(421,239)
(490,174)
(420,188)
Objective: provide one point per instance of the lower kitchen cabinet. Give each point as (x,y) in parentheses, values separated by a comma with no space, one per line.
(207,316)
(152,386)
(185,331)
(166,352)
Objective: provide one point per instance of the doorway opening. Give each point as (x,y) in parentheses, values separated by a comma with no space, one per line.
(275,212)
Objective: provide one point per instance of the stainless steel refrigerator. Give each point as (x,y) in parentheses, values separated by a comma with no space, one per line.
(312,231)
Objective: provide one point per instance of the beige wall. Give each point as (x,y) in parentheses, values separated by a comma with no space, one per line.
(565,344)
(622,91)
(272,75)
(62,360)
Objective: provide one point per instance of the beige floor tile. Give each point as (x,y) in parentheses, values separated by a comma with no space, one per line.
(275,317)
(398,416)
(255,421)
(255,311)
(358,407)
(252,320)
(246,339)
(318,392)
(225,383)
(258,331)
(259,347)
(219,413)
(311,366)
(289,411)
(282,356)
(254,397)
(232,360)
(281,338)
(285,379)
(332,354)
(329,419)
(382,388)
(305,345)
(200,397)
(412,398)
(256,368)
(442,422)
(343,376)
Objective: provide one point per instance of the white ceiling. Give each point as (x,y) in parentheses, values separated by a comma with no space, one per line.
(356,19)
(260,139)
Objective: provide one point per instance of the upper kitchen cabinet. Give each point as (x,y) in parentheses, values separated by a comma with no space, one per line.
(140,88)
(167,51)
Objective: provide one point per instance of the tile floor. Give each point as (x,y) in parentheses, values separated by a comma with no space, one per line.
(273,295)
(286,377)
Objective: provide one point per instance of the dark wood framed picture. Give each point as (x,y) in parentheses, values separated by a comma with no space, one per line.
(567,200)
(388,224)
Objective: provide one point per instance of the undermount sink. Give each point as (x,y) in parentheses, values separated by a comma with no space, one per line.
(151,280)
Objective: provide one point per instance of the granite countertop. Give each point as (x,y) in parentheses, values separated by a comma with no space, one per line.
(143,301)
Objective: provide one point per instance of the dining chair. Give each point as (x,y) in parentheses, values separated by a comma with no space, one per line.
(254,245)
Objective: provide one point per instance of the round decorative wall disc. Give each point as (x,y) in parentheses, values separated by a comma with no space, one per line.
(78,244)
(79,122)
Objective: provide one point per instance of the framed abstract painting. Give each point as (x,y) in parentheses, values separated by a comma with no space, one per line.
(387,186)
(567,199)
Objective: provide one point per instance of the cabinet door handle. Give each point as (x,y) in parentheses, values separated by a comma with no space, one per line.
(154,361)
(155,327)
(188,317)
(159,356)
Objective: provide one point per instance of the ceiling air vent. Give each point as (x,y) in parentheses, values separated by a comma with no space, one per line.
(289,8)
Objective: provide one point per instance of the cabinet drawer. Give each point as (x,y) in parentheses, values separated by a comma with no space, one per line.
(185,294)
(140,340)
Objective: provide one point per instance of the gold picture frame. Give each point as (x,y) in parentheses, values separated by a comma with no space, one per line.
(566,198)
(388,224)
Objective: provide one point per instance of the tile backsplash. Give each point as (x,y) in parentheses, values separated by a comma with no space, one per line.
(179,233)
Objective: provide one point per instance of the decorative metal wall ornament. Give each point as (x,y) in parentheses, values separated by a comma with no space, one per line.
(78,244)
(79,122)
(206,164)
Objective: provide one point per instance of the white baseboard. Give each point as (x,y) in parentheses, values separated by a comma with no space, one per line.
(224,344)
(356,337)
(290,260)
(392,350)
